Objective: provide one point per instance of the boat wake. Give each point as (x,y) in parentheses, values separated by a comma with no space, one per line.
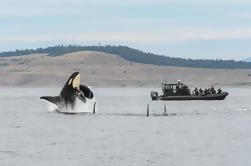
(243,109)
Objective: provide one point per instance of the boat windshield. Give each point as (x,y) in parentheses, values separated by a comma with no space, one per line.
(169,86)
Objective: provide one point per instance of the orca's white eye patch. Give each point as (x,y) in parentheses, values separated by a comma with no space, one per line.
(76,82)
(69,83)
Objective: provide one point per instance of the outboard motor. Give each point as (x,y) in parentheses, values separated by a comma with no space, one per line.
(154,95)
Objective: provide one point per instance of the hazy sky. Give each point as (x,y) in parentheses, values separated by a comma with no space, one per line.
(213,29)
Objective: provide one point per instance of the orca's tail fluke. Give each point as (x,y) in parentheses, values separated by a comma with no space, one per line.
(52,99)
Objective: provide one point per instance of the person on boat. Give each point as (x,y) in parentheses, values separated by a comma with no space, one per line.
(219,91)
(213,90)
(196,92)
(209,91)
(205,91)
(179,84)
(201,91)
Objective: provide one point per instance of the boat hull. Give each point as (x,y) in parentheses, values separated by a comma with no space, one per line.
(221,96)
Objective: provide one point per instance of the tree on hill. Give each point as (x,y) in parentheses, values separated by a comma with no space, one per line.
(135,55)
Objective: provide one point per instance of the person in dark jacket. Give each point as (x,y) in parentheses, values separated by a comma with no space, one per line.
(206,91)
(201,91)
(213,90)
(196,92)
(219,91)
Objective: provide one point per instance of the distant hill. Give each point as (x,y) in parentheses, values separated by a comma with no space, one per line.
(134,55)
(102,69)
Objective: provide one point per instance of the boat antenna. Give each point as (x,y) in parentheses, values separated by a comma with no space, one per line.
(161,79)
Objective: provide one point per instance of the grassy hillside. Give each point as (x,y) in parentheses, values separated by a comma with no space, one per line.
(102,69)
(134,55)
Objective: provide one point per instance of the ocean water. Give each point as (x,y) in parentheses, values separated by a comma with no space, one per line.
(202,133)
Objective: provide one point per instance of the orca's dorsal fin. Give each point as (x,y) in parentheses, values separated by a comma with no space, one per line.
(52,99)
(72,83)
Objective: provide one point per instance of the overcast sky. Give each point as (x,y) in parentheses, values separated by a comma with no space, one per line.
(213,29)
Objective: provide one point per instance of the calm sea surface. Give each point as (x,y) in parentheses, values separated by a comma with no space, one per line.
(196,132)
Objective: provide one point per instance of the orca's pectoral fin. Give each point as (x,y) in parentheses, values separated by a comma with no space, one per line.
(52,99)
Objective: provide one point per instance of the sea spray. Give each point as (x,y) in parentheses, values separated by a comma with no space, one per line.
(80,107)
(52,107)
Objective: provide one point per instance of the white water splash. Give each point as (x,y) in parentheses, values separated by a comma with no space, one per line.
(85,107)
(51,107)
(80,107)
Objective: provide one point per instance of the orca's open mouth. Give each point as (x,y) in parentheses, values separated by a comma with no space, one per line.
(81,96)
(86,91)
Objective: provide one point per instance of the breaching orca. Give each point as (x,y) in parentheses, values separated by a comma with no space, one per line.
(72,96)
